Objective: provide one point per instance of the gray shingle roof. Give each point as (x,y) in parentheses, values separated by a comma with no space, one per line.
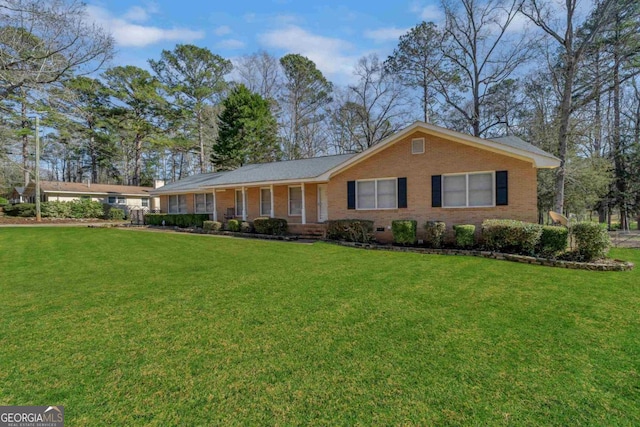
(261,172)
(188,184)
(515,142)
(281,171)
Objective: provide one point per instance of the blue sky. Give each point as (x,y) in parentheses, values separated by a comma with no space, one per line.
(334,34)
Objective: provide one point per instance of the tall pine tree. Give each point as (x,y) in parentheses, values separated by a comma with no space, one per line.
(247,131)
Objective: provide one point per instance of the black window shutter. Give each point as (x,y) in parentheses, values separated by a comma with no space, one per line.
(351,194)
(402,192)
(436,191)
(502,188)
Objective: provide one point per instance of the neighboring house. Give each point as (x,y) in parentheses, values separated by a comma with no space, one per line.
(127,197)
(17,195)
(423,172)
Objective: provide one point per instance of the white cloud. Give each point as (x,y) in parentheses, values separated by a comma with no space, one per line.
(231,44)
(385,34)
(223,30)
(331,55)
(136,14)
(128,34)
(428,13)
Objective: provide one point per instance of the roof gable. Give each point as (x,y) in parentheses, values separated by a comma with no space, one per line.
(508,146)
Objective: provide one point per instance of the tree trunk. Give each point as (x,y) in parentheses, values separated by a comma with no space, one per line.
(200,138)
(563,132)
(137,161)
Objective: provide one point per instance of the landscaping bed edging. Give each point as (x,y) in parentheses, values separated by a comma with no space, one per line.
(614,265)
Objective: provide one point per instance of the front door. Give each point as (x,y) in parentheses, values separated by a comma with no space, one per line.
(323,211)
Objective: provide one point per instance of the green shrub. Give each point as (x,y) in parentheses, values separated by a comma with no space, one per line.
(54,209)
(435,231)
(116,214)
(553,240)
(465,235)
(350,230)
(233,225)
(271,226)
(507,235)
(212,226)
(21,209)
(404,231)
(246,227)
(86,209)
(592,240)
(178,220)
(3,201)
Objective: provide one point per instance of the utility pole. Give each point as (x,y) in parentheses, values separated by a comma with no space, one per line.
(37,172)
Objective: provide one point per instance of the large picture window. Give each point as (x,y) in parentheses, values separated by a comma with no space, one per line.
(468,190)
(377,194)
(265,202)
(295,201)
(204,202)
(178,204)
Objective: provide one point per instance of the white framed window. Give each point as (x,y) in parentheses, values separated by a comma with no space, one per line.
(295,201)
(475,189)
(178,204)
(203,202)
(417,146)
(238,202)
(145,202)
(377,194)
(265,202)
(117,200)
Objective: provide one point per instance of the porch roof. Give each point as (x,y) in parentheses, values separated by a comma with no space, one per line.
(256,174)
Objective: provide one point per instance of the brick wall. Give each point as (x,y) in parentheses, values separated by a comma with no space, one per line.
(440,157)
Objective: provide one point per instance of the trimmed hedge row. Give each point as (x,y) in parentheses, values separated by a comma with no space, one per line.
(350,230)
(271,226)
(506,235)
(178,220)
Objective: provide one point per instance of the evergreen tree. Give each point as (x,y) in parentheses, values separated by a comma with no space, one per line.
(247,131)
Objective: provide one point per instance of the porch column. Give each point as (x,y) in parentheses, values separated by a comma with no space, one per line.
(304,209)
(244,204)
(272,211)
(215,206)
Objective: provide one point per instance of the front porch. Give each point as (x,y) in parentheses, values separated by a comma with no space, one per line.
(298,203)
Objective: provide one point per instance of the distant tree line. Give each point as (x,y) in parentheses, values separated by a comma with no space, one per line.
(563,80)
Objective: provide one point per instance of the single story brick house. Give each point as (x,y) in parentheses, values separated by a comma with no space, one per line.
(423,172)
(126,197)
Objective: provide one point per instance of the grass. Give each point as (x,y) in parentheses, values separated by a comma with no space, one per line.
(136,328)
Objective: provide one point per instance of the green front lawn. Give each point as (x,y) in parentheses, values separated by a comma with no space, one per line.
(140,328)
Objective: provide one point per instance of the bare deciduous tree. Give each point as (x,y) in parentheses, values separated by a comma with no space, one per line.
(45,42)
